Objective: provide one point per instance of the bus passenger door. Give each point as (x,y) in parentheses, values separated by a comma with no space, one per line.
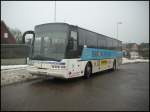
(72,48)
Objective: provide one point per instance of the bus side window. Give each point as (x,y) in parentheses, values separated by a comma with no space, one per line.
(74,39)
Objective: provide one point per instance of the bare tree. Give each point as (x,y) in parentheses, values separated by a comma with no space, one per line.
(17,34)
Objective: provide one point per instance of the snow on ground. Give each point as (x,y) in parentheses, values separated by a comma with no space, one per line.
(17,73)
(126,60)
(13,76)
(4,67)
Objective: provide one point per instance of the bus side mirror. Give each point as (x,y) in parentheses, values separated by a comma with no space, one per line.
(28,37)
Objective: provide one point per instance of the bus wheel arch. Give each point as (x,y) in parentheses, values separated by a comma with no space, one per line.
(88,70)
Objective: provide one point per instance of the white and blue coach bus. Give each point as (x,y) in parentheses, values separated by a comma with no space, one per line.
(67,51)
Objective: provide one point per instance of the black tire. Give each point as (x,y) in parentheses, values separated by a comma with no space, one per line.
(88,71)
(114,65)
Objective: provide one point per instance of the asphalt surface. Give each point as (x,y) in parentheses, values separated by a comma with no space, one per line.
(124,89)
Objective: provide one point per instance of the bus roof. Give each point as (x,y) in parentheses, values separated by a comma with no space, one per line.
(52,23)
(78,27)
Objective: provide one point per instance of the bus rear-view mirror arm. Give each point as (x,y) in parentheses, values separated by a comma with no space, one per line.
(28,32)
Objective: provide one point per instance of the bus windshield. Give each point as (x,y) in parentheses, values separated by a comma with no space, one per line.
(49,45)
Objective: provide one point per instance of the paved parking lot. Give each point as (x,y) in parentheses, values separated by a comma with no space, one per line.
(124,89)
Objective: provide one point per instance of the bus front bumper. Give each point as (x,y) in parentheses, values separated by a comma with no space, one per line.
(60,73)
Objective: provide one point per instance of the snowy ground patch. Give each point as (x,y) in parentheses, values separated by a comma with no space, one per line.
(13,76)
(5,67)
(126,60)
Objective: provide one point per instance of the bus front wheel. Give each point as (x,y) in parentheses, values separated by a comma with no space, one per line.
(88,71)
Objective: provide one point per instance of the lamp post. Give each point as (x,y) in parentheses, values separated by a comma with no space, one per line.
(117,27)
(55,13)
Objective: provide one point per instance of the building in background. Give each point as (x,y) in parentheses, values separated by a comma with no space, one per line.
(6,36)
(144,50)
(131,50)
(134,48)
(12,53)
(134,55)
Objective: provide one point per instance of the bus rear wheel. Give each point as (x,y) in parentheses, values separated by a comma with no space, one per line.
(88,71)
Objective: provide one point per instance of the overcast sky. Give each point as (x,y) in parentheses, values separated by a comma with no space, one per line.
(98,16)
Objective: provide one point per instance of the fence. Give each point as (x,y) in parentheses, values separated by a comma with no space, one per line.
(14,53)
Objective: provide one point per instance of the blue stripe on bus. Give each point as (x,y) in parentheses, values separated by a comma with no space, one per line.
(97,54)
